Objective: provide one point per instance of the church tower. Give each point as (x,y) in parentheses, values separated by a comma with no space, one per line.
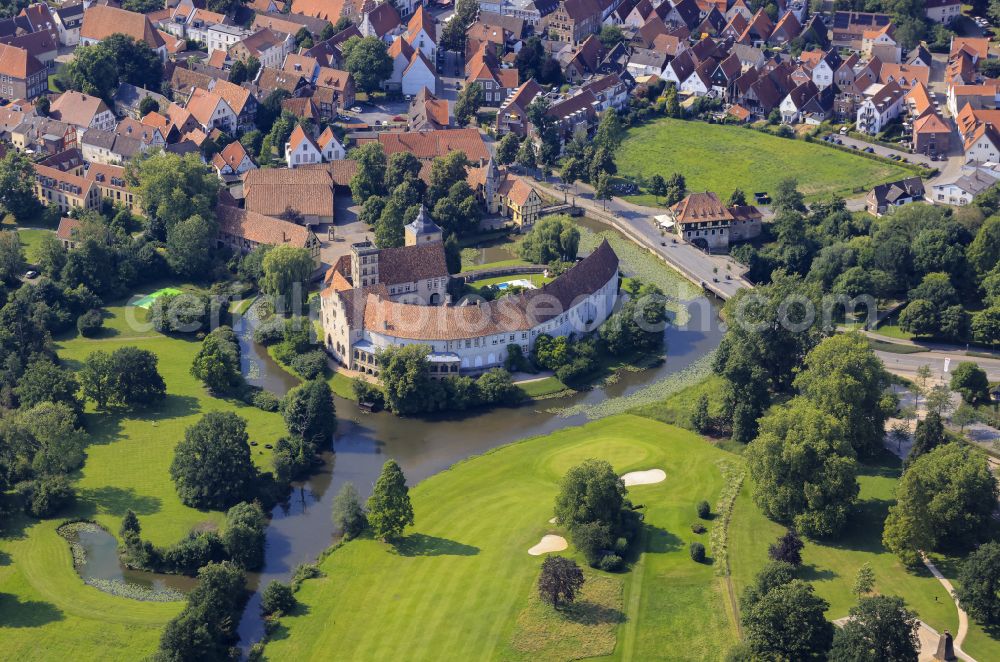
(422,230)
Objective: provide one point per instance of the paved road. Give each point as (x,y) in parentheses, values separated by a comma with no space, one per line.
(637,222)
(906,364)
(887,152)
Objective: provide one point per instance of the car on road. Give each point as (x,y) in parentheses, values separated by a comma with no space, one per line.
(869,150)
(356,109)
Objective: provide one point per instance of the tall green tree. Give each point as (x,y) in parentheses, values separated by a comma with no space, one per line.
(470,100)
(12,261)
(189,246)
(286,276)
(984,251)
(845,379)
(943,502)
(309,412)
(971,382)
(367,59)
(804,468)
(212,466)
(369,179)
(348,514)
(507,149)
(389,507)
(979,583)
(217,362)
(880,629)
(787,623)
(17,186)
(173,188)
(552,239)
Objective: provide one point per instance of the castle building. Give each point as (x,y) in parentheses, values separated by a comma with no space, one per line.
(378,298)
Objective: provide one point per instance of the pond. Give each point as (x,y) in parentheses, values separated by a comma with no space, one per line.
(95,556)
(301,528)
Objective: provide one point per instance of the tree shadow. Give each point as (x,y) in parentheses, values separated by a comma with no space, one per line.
(885,465)
(660,541)
(4,558)
(115,501)
(586,612)
(811,573)
(864,532)
(418,544)
(172,406)
(17,614)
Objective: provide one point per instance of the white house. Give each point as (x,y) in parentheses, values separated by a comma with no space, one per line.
(301,150)
(942,11)
(962,190)
(68,20)
(418,75)
(401,53)
(330,147)
(221,37)
(421,33)
(983,144)
(881,106)
(793,103)
(211,111)
(698,83)
(233,160)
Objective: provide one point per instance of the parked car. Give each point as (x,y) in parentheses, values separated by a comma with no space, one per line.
(870,150)
(843,130)
(31,274)
(356,109)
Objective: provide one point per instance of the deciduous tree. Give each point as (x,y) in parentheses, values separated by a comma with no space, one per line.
(880,629)
(560,580)
(212,466)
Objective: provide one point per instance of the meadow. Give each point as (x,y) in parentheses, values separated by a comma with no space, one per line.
(720,158)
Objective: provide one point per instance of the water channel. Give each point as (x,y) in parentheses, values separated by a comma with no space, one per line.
(301,528)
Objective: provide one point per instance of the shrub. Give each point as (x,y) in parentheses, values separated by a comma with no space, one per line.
(592,538)
(277,599)
(704,510)
(269,332)
(697,552)
(45,496)
(368,392)
(90,323)
(303,572)
(610,563)
(698,527)
(265,400)
(310,365)
(621,546)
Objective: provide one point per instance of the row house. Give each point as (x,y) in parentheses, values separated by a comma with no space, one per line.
(99,146)
(881,43)
(513,114)
(240,101)
(222,37)
(333,91)
(849,27)
(211,111)
(232,161)
(382,21)
(65,190)
(302,150)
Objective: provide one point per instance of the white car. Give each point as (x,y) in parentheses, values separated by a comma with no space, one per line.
(355,109)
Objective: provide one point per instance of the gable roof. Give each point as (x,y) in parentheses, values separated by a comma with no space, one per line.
(17,62)
(231,155)
(102,21)
(202,105)
(261,229)
(383,18)
(432,144)
(421,20)
(76,108)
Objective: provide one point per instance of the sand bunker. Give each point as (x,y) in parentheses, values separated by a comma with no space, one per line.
(647,477)
(547,544)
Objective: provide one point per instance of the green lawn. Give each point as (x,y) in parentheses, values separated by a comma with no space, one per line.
(54,615)
(833,566)
(512,262)
(545,387)
(31,240)
(460,584)
(714,157)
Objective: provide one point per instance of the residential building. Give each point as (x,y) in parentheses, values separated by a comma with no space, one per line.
(884,198)
(65,190)
(703,220)
(67,232)
(268,46)
(962,189)
(22,76)
(421,33)
(82,111)
(942,11)
(573,20)
(301,149)
(330,147)
(232,161)
(69,20)
(100,146)
(211,111)
(111,184)
(419,74)
(881,108)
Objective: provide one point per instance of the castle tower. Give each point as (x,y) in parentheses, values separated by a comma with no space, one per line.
(491,187)
(364,264)
(422,230)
